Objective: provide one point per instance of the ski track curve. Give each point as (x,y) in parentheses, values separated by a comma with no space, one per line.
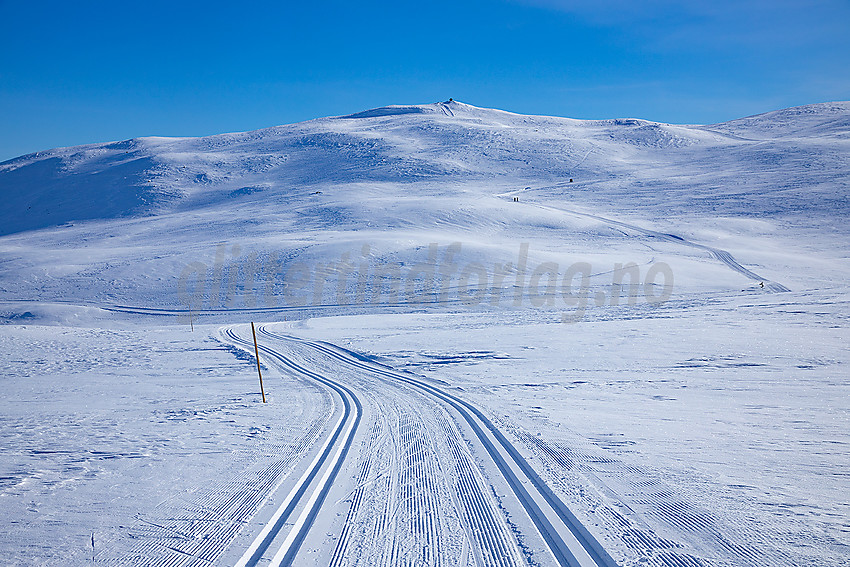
(718,254)
(327,463)
(569,542)
(410,527)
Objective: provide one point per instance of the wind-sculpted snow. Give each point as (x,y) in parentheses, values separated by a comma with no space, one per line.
(95,183)
(387,111)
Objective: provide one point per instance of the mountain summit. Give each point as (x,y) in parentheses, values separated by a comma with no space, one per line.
(446,142)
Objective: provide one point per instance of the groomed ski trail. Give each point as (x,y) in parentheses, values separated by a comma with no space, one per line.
(567,542)
(327,463)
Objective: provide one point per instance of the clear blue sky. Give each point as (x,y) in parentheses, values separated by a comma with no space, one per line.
(79,72)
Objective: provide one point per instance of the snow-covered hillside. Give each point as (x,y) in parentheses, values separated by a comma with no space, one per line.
(398,178)
(737,168)
(692,411)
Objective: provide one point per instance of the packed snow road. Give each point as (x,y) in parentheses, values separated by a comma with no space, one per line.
(408,474)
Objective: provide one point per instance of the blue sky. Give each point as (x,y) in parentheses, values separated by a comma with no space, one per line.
(80,72)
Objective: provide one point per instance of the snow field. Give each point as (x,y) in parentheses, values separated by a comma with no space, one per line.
(706,429)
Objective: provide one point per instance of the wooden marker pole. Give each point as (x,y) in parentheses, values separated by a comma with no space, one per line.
(257,353)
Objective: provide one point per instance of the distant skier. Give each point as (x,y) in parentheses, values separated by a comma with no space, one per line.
(761,284)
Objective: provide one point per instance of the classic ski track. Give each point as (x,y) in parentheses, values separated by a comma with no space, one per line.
(137,310)
(356,500)
(494,546)
(571,545)
(416,502)
(484,524)
(339,442)
(420,457)
(717,253)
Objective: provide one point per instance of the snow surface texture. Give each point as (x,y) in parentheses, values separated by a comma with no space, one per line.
(709,427)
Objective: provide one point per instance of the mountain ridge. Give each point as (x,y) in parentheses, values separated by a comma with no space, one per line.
(444,141)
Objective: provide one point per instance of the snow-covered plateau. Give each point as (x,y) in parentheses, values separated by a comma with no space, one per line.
(485,338)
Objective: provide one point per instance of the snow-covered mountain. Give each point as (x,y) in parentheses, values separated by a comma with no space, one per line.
(445,142)
(410,270)
(127,217)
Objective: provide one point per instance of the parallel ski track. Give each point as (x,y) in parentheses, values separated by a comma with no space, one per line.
(409,528)
(340,440)
(140,310)
(356,501)
(718,254)
(498,549)
(564,555)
